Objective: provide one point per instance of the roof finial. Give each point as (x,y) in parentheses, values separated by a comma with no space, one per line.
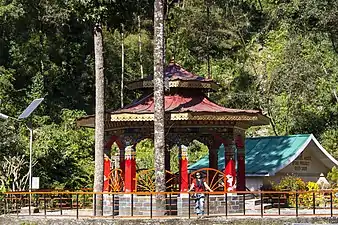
(172,60)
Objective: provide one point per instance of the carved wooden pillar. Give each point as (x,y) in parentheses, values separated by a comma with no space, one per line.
(213,144)
(130,169)
(184,177)
(239,137)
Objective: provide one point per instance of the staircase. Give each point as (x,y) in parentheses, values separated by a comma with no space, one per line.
(255,204)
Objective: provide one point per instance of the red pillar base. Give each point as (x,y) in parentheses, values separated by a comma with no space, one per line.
(129,169)
(106,173)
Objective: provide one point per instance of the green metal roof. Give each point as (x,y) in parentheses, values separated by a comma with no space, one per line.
(264,155)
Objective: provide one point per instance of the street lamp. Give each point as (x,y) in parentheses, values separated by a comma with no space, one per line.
(25,114)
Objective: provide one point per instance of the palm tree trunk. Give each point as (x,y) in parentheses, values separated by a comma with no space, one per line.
(122,65)
(140,45)
(159,139)
(99,119)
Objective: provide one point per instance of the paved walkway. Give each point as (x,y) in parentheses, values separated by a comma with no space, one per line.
(88,213)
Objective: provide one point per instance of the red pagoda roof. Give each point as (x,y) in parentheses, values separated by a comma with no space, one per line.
(177,77)
(185,102)
(180,103)
(176,72)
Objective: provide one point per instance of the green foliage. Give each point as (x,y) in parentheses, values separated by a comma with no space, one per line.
(277,56)
(64,154)
(196,150)
(290,183)
(330,142)
(145,154)
(306,199)
(332,177)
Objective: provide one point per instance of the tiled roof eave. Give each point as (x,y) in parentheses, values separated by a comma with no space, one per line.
(189,84)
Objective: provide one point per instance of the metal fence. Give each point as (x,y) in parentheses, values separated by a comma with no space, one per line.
(176,204)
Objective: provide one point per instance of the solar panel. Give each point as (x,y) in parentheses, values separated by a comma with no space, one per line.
(26,113)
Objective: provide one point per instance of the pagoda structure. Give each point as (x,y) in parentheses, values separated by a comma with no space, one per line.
(189,115)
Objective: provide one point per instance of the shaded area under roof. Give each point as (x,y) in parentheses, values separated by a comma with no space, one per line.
(267,155)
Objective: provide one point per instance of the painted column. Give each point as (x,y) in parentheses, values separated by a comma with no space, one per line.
(239,137)
(183,157)
(109,140)
(106,172)
(129,169)
(230,167)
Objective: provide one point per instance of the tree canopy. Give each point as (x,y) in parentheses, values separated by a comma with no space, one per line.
(278,56)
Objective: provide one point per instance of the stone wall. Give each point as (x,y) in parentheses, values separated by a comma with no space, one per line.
(176,205)
(216,204)
(143,205)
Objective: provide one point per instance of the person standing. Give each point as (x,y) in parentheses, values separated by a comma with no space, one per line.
(199,185)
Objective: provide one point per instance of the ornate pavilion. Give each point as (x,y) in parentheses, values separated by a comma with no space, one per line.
(189,115)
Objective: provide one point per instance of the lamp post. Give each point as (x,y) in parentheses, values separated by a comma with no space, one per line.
(25,114)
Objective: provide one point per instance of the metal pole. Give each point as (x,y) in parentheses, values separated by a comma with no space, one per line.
(296,204)
(30,163)
(331,204)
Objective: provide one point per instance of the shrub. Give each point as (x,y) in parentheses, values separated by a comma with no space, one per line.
(290,183)
(306,199)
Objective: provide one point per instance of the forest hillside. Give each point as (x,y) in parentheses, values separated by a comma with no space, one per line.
(280,56)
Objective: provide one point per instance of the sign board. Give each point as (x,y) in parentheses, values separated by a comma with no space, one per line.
(35,182)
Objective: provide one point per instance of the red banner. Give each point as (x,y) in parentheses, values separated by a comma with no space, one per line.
(230,174)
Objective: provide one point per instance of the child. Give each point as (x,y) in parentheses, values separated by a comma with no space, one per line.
(199,185)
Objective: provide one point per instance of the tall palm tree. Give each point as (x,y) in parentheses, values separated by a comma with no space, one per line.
(99,117)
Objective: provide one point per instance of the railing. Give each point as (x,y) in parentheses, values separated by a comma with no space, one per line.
(175,204)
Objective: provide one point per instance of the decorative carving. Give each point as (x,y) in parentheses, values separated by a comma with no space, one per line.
(184,116)
(145,181)
(116,181)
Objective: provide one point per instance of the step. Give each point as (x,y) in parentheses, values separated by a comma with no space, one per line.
(252,202)
(258,207)
(250,196)
(265,206)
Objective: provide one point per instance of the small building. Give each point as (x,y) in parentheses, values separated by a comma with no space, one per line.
(273,157)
